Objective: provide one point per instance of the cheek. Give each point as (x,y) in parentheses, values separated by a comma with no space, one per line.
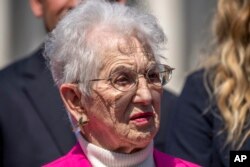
(119,105)
(113,103)
(123,100)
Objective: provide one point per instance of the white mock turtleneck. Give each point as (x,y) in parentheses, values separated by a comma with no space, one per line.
(100,157)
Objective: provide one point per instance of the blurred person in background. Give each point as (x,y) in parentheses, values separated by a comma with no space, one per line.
(213,111)
(33,122)
(107,62)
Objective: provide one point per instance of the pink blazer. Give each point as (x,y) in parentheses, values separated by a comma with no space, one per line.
(76,158)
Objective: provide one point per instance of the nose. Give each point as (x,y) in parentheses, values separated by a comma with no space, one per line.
(143,94)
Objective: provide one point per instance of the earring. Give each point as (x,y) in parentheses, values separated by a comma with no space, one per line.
(82,122)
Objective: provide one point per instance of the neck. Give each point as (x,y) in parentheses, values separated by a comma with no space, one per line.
(116,145)
(99,156)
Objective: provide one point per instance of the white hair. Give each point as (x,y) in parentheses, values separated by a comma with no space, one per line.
(70,56)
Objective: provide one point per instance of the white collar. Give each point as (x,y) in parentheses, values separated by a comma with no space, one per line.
(100,157)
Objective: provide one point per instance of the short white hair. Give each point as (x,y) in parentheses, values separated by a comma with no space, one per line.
(71,58)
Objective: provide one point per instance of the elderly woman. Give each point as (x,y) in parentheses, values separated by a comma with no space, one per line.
(105,59)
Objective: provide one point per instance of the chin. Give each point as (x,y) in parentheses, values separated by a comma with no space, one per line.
(137,140)
(142,139)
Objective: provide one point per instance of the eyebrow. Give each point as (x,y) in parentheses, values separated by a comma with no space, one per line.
(124,68)
(121,68)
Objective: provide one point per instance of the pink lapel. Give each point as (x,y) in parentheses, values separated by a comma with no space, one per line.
(75,158)
(164,160)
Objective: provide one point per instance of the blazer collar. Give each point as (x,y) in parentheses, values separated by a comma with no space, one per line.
(34,64)
(44,96)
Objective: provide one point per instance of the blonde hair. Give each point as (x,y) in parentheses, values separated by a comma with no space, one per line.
(228,69)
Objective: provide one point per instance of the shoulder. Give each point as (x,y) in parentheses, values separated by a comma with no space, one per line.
(75,158)
(169,95)
(161,159)
(194,103)
(168,99)
(197,74)
(31,64)
(196,79)
(195,88)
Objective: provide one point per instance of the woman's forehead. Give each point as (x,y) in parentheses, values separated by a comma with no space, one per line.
(130,45)
(128,52)
(116,62)
(126,48)
(106,39)
(115,49)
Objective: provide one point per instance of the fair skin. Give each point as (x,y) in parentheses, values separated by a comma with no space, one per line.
(118,121)
(51,11)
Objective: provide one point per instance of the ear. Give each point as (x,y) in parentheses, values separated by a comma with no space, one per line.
(71,97)
(36,7)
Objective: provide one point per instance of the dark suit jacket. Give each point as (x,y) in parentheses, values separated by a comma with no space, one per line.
(168,101)
(194,126)
(34,127)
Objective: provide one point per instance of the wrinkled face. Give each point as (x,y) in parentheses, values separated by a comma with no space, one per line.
(124,121)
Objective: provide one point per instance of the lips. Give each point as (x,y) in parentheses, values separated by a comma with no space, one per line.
(142,117)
